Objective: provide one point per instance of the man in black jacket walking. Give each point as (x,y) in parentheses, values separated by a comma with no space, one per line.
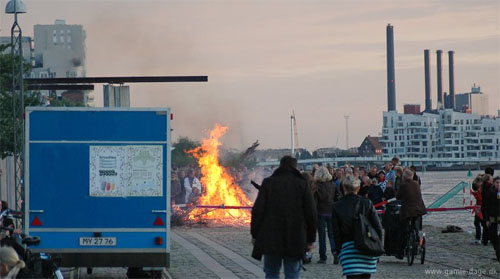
(283,220)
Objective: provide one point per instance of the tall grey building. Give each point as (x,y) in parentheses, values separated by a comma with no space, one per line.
(475,101)
(27,48)
(116,96)
(60,52)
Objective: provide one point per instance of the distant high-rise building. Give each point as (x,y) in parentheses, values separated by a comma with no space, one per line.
(60,48)
(476,101)
(116,96)
(60,52)
(27,48)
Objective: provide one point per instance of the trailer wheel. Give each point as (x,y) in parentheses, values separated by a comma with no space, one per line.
(89,270)
(156,274)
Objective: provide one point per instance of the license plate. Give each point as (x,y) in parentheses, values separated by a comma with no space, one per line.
(97,241)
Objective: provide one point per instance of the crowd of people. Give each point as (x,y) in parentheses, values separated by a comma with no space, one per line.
(375,185)
(185,185)
(294,206)
(285,211)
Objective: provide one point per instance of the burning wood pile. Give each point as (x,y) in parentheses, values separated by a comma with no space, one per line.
(222,202)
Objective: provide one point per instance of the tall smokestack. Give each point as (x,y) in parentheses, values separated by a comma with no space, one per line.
(427,62)
(452,79)
(391,87)
(439,79)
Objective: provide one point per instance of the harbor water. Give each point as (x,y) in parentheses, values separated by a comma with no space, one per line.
(435,184)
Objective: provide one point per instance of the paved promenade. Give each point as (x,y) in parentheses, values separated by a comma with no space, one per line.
(225,253)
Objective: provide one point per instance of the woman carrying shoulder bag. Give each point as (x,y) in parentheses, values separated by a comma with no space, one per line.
(355,263)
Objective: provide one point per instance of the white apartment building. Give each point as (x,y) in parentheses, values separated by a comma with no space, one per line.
(446,134)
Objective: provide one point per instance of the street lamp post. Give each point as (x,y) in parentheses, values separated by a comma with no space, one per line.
(346,132)
(16,7)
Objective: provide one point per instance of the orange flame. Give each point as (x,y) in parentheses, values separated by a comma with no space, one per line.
(219,187)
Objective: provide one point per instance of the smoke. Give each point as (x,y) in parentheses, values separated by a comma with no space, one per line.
(257,175)
(126,41)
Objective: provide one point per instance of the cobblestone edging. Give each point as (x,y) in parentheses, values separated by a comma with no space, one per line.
(209,260)
(239,260)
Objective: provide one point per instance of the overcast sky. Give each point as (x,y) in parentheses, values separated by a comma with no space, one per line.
(263,59)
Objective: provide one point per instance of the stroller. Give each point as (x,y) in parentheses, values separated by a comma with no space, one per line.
(392,228)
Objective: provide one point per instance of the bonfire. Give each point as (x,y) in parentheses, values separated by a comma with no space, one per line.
(219,188)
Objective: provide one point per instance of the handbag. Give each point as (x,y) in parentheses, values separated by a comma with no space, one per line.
(366,238)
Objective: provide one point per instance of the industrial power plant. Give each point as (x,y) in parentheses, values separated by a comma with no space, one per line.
(458,128)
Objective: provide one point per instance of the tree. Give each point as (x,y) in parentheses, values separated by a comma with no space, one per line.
(180,158)
(62,102)
(6,114)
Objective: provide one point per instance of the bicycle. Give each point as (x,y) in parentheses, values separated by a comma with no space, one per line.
(38,265)
(415,245)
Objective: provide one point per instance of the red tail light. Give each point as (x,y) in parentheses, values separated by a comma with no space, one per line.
(158,222)
(159,240)
(36,222)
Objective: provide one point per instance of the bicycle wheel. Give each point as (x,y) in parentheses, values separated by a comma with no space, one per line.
(422,249)
(410,247)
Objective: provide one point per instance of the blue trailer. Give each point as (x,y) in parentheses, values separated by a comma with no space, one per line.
(97,185)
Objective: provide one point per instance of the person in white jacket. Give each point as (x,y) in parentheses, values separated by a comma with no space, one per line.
(190,182)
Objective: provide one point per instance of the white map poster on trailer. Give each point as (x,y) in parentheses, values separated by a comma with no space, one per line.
(124,171)
(146,170)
